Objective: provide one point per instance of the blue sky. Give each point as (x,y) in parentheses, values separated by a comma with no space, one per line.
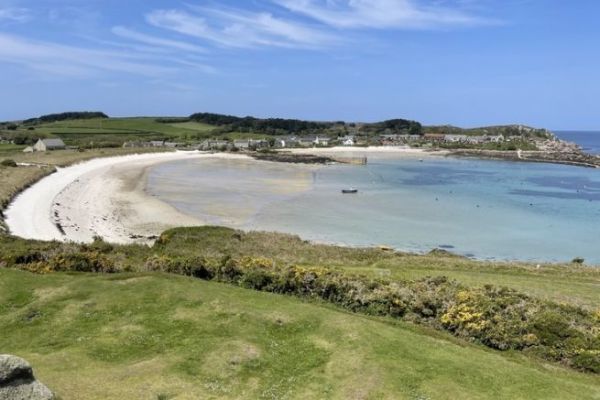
(462,62)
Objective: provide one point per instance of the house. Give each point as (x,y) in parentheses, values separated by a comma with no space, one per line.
(496,138)
(347,140)
(49,144)
(135,144)
(251,144)
(455,138)
(476,139)
(280,143)
(306,142)
(322,141)
(28,149)
(173,144)
(213,145)
(434,137)
(283,142)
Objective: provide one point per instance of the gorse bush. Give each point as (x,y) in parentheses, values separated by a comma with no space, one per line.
(499,318)
(86,261)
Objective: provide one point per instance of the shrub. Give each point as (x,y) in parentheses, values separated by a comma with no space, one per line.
(91,261)
(8,163)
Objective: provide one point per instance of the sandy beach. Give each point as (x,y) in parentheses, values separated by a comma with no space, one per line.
(102,197)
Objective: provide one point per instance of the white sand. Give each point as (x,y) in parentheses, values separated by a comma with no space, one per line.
(102,197)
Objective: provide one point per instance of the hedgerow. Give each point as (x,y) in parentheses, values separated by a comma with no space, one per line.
(497,317)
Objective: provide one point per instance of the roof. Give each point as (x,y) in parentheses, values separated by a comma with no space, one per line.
(53,143)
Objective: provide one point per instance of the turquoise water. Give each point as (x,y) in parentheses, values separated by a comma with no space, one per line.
(480,208)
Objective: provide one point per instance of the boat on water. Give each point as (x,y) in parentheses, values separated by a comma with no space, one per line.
(349,190)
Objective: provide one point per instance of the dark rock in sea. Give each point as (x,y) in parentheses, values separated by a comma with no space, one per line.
(292,158)
(443,253)
(17,381)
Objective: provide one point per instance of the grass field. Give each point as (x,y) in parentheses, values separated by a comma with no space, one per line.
(105,132)
(141,336)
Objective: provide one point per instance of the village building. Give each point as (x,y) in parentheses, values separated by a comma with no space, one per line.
(49,144)
(135,144)
(456,138)
(285,141)
(434,137)
(347,140)
(213,145)
(251,144)
(322,141)
(173,144)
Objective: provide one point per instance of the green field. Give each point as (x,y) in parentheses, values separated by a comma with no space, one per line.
(113,132)
(141,336)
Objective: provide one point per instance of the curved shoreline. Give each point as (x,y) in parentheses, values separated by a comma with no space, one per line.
(101,197)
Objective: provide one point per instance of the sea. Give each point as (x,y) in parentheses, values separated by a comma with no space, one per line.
(483,209)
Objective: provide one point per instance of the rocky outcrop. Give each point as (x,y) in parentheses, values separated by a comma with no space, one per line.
(576,158)
(17,381)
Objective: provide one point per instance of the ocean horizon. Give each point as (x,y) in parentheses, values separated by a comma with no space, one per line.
(588,140)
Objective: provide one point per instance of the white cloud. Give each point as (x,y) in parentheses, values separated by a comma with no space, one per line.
(240,28)
(15,14)
(382,14)
(156,41)
(64,60)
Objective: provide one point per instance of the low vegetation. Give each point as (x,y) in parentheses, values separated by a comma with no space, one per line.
(498,317)
(151,335)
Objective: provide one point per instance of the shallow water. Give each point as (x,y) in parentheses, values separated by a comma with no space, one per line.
(485,209)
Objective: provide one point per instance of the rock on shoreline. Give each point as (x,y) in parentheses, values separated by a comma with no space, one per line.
(292,158)
(574,158)
(17,381)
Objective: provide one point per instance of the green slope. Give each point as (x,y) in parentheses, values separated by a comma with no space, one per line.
(141,336)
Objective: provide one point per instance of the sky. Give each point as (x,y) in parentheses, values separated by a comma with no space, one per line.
(461,62)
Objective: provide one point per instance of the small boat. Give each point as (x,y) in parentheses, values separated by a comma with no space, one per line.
(350,190)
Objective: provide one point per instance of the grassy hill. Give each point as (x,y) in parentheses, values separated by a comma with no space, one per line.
(89,130)
(155,336)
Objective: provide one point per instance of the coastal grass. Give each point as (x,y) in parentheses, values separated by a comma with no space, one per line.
(571,283)
(64,158)
(564,283)
(145,335)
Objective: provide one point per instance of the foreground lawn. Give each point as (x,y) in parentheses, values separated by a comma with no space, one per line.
(142,335)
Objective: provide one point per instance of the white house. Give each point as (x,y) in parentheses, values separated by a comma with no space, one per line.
(347,140)
(49,144)
(321,141)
